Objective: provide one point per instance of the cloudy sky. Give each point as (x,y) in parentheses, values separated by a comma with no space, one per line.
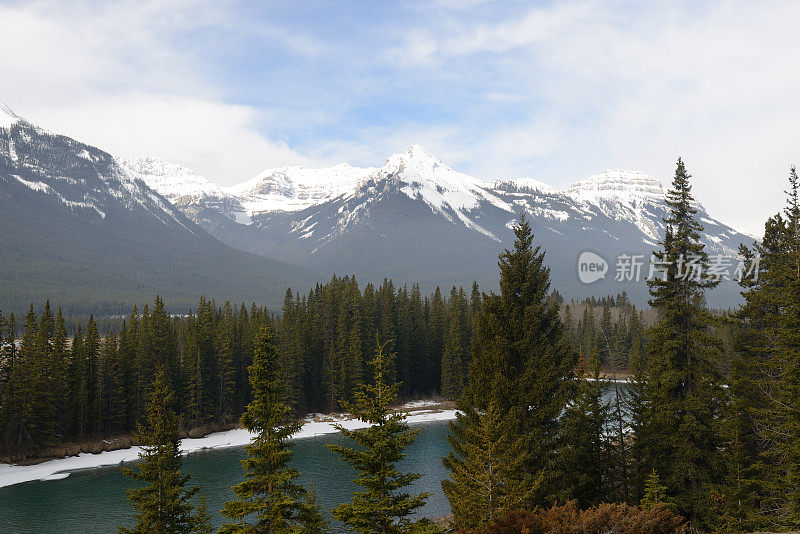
(549,90)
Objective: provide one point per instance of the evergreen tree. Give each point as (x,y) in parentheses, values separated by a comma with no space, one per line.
(59,379)
(684,392)
(654,492)
(225,366)
(91,374)
(163,504)
(382,506)
(18,406)
(80,401)
(636,409)
(523,364)
(436,334)
(202,519)
(456,345)
(269,495)
(583,457)
(41,381)
(765,457)
(481,463)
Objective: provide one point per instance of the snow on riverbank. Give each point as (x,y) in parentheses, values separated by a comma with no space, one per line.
(316,425)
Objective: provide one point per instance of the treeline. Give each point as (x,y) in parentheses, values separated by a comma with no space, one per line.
(56,387)
(327,337)
(609,329)
(707,427)
(708,424)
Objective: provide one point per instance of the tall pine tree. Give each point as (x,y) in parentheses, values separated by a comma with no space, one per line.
(163,504)
(684,391)
(383,506)
(522,365)
(269,499)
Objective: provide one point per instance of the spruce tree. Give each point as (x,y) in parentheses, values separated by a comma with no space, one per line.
(523,365)
(91,374)
(684,390)
(636,409)
(269,499)
(59,379)
(163,504)
(456,346)
(654,492)
(17,410)
(766,378)
(383,506)
(583,459)
(785,408)
(481,463)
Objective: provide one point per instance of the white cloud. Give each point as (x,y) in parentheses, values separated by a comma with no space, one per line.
(216,139)
(636,85)
(554,92)
(109,74)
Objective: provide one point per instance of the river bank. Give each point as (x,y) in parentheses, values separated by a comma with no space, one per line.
(313,425)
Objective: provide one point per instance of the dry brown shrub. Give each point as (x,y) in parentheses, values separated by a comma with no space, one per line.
(602,519)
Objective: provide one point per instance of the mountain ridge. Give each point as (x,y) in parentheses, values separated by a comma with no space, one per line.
(80,230)
(347,227)
(414,219)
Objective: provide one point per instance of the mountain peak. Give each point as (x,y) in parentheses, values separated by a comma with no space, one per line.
(415,157)
(169,179)
(7,116)
(618,181)
(419,152)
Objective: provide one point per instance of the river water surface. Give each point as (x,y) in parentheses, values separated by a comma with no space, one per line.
(94,501)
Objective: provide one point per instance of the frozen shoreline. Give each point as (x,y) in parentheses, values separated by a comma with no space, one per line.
(314,425)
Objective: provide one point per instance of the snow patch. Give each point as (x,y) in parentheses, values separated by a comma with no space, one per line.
(61,468)
(7,117)
(169,179)
(297,188)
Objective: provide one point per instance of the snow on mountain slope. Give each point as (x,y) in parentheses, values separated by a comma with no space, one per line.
(7,116)
(619,184)
(296,188)
(170,180)
(424,176)
(528,185)
(621,195)
(79,176)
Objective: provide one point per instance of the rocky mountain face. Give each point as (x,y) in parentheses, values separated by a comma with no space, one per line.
(78,228)
(416,219)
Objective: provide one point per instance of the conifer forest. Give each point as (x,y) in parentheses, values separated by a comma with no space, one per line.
(671,418)
(416,267)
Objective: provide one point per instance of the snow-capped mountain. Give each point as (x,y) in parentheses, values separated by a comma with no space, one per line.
(83,229)
(297,188)
(417,219)
(80,177)
(7,117)
(193,194)
(75,216)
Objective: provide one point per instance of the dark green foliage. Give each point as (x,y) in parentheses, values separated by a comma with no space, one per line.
(163,504)
(521,368)
(269,499)
(382,506)
(682,434)
(584,459)
(764,460)
(456,346)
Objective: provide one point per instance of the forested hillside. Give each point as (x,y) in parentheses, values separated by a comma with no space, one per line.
(77,229)
(58,385)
